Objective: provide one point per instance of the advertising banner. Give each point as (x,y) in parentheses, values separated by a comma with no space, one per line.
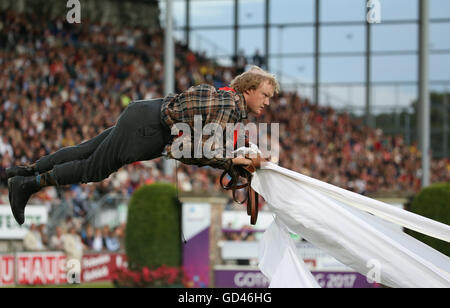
(99,267)
(10,230)
(6,270)
(39,268)
(196,220)
(253,278)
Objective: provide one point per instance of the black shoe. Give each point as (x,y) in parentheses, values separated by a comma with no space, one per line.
(20,190)
(20,171)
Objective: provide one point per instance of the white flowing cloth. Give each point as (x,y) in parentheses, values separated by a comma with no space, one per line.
(340,223)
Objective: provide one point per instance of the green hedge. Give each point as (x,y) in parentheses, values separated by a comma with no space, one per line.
(433,202)
(153,227)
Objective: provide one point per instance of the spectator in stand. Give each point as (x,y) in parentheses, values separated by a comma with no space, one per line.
(5,146)
(73,246)
(88,236)
(258,60)
(3,196)
(240,62)
(67,224)
(112,240)
(120,235)
(80,202)
(42,229)
(57,240)
(97,243)
(32,240)
(105,235)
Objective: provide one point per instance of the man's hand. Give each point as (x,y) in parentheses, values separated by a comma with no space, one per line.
(240,160)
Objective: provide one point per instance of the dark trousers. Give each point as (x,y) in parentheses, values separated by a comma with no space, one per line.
(139,134)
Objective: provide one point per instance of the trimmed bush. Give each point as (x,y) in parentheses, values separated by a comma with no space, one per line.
(433,202)
(153,229)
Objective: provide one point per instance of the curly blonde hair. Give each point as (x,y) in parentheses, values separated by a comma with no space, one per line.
(251,79)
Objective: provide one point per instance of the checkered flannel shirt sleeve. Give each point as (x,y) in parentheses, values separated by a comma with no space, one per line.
(213,107)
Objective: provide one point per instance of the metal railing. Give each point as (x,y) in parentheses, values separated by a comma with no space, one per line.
(107,202)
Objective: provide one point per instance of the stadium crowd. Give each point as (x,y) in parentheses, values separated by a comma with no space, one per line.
(61,84)
(74,238)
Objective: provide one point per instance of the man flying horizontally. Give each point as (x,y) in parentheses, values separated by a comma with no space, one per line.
(143,132)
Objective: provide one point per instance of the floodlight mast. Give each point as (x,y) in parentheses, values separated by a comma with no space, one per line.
(169,67)
(423,109)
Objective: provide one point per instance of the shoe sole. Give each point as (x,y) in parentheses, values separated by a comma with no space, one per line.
(10,188)
(9,191)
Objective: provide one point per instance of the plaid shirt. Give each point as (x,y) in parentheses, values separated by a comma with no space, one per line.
(213,106)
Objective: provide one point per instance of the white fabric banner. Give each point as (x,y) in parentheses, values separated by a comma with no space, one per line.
(338,222)
(279,262)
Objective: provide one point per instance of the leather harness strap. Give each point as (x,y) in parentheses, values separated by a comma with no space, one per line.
(238,171)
